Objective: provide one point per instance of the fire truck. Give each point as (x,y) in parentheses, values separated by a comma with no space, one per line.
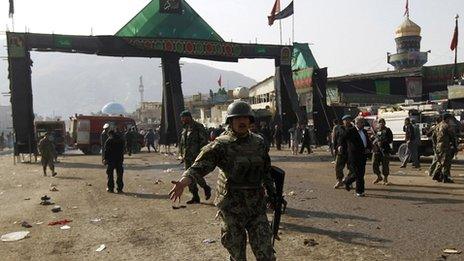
(86,130)
(57,129)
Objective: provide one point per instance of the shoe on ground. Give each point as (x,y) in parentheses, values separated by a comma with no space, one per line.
(347,186)
(207,192)
(448,180)
(193,201)
(360,195)
(54,174)
(337,185)
(377,180)
(109,190)
(402,166)
(120,191)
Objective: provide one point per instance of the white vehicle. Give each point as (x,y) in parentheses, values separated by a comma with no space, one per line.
(394,120)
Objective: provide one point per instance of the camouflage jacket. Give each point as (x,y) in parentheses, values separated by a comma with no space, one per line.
(47,148)
(244,166)
(193,138)
(444,137)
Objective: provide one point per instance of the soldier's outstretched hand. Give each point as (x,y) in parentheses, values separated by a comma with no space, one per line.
(178,189)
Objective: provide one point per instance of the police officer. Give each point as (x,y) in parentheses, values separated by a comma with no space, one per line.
(48,154)
(244,174)
(341,158)
(381,152)
(446,147)
(193,138)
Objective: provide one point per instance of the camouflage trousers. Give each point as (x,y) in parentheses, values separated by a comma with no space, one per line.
(381,159)
(434,163)
(193,188)
(444,159)
(234,228)
(340,163)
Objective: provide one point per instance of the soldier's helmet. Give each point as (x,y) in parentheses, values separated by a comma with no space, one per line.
(239,109)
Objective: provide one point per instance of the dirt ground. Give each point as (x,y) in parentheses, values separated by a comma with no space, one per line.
(412,219)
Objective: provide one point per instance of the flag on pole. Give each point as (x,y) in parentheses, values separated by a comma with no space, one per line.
(275,10)
(288,11)
(220,81)
(406,11)
(454,42)
(11,12)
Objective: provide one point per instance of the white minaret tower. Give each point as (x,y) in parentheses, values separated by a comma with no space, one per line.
(141,90)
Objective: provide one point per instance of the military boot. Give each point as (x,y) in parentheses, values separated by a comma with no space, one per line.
(207,192)
(379,178)
(195,199)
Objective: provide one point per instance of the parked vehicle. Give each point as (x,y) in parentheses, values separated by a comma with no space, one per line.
(57,130)
(86,130)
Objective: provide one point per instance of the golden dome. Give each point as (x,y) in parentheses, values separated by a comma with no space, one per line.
(408,28)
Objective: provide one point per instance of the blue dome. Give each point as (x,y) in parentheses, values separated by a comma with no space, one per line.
(113,108)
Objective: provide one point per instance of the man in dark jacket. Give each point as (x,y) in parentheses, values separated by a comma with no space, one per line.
(278,137)
(381,152)
(114,158)
(358,146)
(306,141)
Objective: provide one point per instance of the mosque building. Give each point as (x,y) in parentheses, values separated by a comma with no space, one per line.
(410,79)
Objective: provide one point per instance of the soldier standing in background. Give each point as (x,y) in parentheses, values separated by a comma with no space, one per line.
(193,138)
(410,140)
(430,134)
(244,176)
(446,147)
(306,140)
(47,153)
(381,152)
(341,158)
(131,139)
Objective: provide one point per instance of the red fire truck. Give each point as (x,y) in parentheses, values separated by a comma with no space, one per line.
(86,130)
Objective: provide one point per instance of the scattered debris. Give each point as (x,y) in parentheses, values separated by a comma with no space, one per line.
(15,236)
(101,248)
(178,207)
(45,200)
(350,225)
(53,188)
(88,184)
(19,186)
(158,181)
(27,199)
(25,224)
(167,170)
(410,219)
(74,207)
(451,251)
(39,223)
(95,220)
(209,241)
(56,209)
(60,222)
(65,227)
(310,242)
(291,193)
(377,227)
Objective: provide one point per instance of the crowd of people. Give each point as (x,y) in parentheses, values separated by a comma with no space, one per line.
(353,145)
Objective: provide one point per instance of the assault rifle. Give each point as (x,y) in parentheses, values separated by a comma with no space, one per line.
(280,204)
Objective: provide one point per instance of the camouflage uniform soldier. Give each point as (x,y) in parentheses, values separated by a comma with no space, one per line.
(244,174)
(341,158)
(431,134)
(381,152)
(193,138)
(446,148)
(48,152)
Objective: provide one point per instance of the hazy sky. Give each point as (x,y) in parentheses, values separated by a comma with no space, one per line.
(347,36)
